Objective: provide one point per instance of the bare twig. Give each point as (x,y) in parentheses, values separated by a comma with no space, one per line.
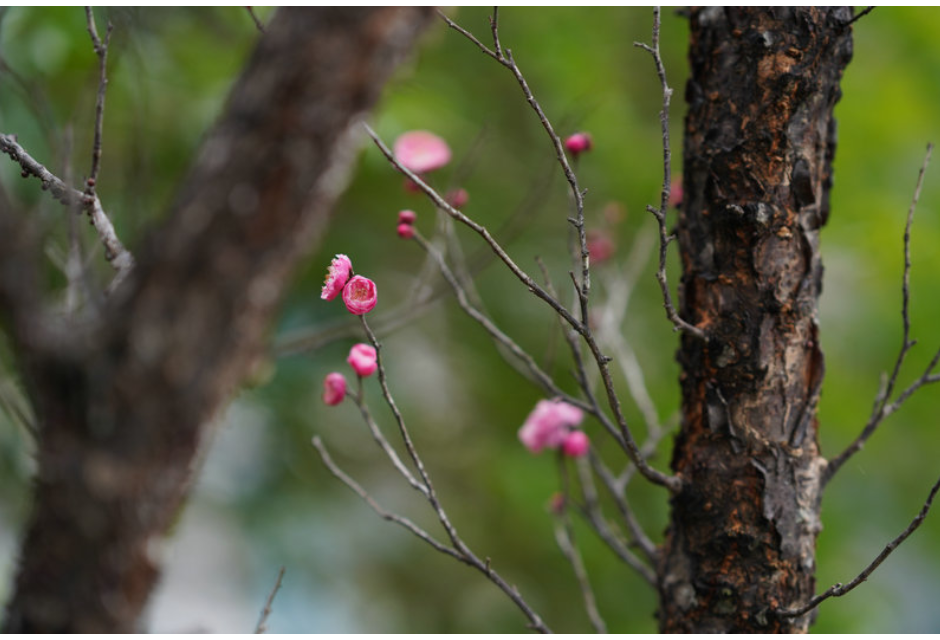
(861,14)
(482,231)
(385,515)
(592,513)
(839,589)
(532,367)
(618,493)
(119,257)
(564,536)
(625,437)
(255,19)
(505,58)
(459,549)
(386,446)
(101,50)
(660,212)
(619,287)
(263,621)
(881,408)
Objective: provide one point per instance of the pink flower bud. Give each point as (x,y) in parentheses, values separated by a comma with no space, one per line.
(406,231)
(548,425)
(421,151)
(676,193)
(411,186)
(337,275)
(601,246)
(457,198)
(576,444)
(362,358)
(578,143)
(407,217)
(359,295)
(334,388)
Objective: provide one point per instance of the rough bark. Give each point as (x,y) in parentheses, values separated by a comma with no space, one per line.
(759,143)
(123,405)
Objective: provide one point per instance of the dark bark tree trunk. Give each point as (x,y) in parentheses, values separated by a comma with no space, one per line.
(759,143)
(123,405)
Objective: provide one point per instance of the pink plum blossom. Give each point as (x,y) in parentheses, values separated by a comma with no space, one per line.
(337,276)
(421,151)
(360,295)
(575,444)
(362,358)
(548,425)
(578,143)
(334,388)
(407,216)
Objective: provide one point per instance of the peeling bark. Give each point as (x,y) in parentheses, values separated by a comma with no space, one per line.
(759,143)
(123,406)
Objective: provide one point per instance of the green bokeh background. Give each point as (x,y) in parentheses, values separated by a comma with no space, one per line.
(264,499)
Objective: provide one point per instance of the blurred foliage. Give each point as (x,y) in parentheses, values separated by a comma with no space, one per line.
(263,490)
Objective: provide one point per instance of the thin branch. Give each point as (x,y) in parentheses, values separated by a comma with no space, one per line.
(385,445)
(564,536)
(482,231)
(839,589)
(619,287)
(625,439)
(101,50)
(545,380)
(385,515)
(119,257)
(460,549)
(254,17)
(660,213)
(881,409)
(861,14)
(504,57)
(263,621)
(620,500)
(591,512)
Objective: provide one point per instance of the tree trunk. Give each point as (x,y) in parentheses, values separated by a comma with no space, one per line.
(759,143)
(123,405)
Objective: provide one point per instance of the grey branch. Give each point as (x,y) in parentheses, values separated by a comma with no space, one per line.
(882,409)
(119,257)
(660,213)
(263,621)
(839,589)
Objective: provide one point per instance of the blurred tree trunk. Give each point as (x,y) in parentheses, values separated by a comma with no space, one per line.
(123,405)
(759,143)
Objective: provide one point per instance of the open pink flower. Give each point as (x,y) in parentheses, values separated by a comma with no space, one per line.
(421,151)
(337,275)
(334,388)
(360,295)
(576,444)
(549,424)
(362,358)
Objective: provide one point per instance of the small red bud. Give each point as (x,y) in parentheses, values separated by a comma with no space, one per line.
(407,217)
(578,143)
(406,231)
